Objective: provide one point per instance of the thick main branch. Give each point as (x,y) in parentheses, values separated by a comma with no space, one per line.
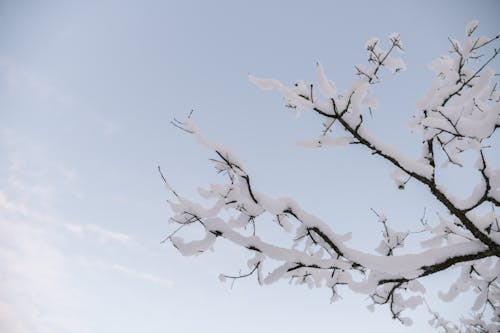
(440,196)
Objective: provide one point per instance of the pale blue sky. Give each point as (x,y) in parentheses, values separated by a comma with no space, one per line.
(87,91)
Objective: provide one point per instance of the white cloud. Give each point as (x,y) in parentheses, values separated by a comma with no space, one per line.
(125,270)
(30,184)
(12,321)
(38,292)
(19,210)
(26,82)
(103,234)
(33,280)
(37,289)
(11,207)
(40,277)
(148,277)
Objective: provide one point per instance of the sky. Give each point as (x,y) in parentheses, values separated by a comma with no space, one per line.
(87,93)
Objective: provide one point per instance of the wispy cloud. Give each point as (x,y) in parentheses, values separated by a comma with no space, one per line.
(148,277)
(32,186)
(23,81)
(39,246)
(94,264)
(37,282)
(11,207)
(34,284)
(103,234)
(37,290)
(20,210)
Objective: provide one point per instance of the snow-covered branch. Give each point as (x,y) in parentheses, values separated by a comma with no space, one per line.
(459,113)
